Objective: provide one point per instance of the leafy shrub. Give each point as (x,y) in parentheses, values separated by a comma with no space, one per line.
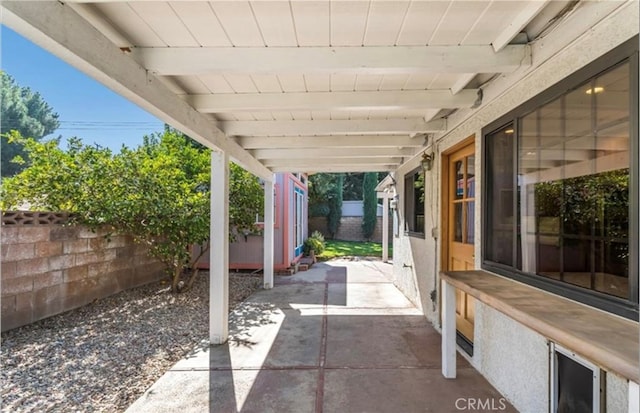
(314,243)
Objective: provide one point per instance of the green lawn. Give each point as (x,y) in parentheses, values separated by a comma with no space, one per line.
(334,249)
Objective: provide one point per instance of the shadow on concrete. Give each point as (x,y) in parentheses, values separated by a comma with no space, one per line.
(335,340)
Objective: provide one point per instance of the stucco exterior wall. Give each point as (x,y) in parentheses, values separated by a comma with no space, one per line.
(617,393)
(513,358)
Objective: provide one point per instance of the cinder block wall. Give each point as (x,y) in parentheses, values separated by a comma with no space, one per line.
(350,228)
(49,269)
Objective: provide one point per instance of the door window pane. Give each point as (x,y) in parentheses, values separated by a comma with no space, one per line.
(471,177)
(470,226)
(459,180)
(458,222)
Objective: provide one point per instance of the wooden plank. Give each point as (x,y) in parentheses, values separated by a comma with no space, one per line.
(275,22)
(374,60)
(335,101)
(605,339)
(312,24)
(384,22)
(161,18)
(238,22)
(202,23)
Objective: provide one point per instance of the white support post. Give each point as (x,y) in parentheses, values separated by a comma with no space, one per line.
(385,229)
(448,330)
(219,250)
(268,234)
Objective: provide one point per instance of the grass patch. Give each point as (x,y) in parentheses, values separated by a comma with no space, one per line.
(335,249)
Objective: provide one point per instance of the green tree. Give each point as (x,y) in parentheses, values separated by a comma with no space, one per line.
(370,204)
(159,193)
(325,199)
(23,111)
(352,188)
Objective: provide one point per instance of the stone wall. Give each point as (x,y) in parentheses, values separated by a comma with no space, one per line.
(50,268)
(350,229)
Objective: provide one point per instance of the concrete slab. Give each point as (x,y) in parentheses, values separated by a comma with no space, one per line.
(409,390)
(342,271)
(367,295)
(282,338)
(380,355)
(383,341)
(230,391)
(291,296)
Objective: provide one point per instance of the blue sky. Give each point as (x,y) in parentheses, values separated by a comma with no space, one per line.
(87,109)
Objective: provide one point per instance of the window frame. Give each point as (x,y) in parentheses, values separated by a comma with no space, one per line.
(628,308)
(409,204)
(298,220)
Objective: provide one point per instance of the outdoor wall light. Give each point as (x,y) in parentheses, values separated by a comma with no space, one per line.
(427,161)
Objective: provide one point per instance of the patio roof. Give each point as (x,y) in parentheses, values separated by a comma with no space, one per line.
(312,86)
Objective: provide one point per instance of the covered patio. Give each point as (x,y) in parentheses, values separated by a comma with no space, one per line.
(337,338)
(448,96)
(301,86)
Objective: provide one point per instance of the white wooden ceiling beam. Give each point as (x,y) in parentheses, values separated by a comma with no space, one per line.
(370,100)
(285,153)
(376,60)
(60,30)
(89,13)
(431,113)
(279,163)
(518,23)
(462,82)
(331,127)
(353,141)
(311,168)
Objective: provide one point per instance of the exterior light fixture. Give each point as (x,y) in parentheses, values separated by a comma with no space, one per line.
(427,161)
(509,131)
(597,89)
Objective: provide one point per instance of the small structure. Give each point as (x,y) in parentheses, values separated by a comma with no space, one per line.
(290,204)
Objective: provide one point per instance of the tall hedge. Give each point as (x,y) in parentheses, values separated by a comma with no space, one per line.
(370,204)
(335,205)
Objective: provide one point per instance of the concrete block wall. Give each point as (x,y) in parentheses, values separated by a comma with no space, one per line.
(350,229)
(50,269)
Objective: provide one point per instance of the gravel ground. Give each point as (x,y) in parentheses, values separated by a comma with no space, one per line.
(103,356)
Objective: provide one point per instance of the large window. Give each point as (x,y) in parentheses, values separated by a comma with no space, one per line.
(414,202)
(558,189)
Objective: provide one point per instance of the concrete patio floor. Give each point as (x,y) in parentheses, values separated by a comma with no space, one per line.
(337,338)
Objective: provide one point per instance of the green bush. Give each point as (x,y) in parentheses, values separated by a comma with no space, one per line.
(314,243)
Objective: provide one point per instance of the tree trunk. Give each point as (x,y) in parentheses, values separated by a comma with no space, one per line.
(175,279)
(192,279)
